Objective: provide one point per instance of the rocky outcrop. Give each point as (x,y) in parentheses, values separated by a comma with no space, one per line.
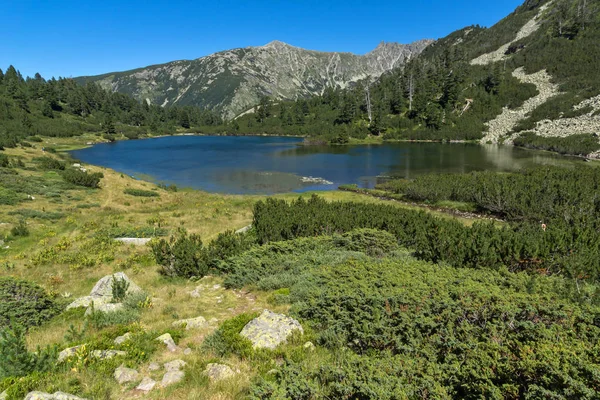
(123,338)
(503,124)
(218,372)
(107,354)
(101,293)
(269,330)
(69,352)
(233,81)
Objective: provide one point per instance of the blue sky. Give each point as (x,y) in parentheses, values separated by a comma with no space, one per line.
(88,37)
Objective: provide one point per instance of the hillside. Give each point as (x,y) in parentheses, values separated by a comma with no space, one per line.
(532,79)
(233,81)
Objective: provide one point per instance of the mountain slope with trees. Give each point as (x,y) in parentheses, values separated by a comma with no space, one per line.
(232,81)
(462,82)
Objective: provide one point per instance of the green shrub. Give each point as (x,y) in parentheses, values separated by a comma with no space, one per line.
(119,289)
(100,320)
(45,215)
(20,230)
(368,241)
(49,163)
(81,178)
(226,340)
(15,358)
(583,144)
(141,193)
(25,303)
(9,197)
(180,256)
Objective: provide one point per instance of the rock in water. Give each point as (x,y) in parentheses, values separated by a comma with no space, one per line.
(172,377)
(146,385)
(168,341)
(217,372)
(191,323)
(125,375)
(270,329)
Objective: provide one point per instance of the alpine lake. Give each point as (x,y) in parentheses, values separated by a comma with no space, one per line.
(268,165)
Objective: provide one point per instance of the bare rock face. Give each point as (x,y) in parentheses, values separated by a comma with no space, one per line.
(218,372)
(269,330)
(233,81)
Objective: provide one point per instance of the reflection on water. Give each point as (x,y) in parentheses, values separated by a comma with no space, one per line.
(275,165)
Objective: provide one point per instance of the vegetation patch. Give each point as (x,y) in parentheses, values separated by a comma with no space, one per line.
(583,144)
(141,193)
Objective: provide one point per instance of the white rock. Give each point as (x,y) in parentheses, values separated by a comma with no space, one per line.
(309,346)
(191,323)
(103,287)
(126,375)
(107,354)
(122,339)
(69,352)
(269,330)
(187,351)
(175,365)
(217,372)
(172,377)
(87,301)
(168,341)
(105,308)
(153,366)
(3,395)
(146,385)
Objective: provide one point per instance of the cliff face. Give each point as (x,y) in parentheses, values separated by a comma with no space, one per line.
(233,81)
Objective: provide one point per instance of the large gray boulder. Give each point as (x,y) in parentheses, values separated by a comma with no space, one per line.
(103,287)
(269,330)
(102,292)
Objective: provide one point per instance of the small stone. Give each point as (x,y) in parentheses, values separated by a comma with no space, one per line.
(48,396)
(153,366)
(269,330)
(190,323)
(175,365)
(65,396)
(146,385)
(217,372)
(70,352)
(216,287)
(3,395)
(107,354)
(122,339)
(125,375)
(309,346)
(105,308)
(168,341)
(197,292)
(187,351)
(172,377)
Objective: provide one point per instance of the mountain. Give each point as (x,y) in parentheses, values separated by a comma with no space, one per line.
(233,81)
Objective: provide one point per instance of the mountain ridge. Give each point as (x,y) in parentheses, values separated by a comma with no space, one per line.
(232,81)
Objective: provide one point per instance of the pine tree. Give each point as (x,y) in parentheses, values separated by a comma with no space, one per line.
(15,358)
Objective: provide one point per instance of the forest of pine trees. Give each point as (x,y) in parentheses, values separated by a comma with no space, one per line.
(59,107)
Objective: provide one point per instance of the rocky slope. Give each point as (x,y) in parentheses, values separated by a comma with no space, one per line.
(234,80)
